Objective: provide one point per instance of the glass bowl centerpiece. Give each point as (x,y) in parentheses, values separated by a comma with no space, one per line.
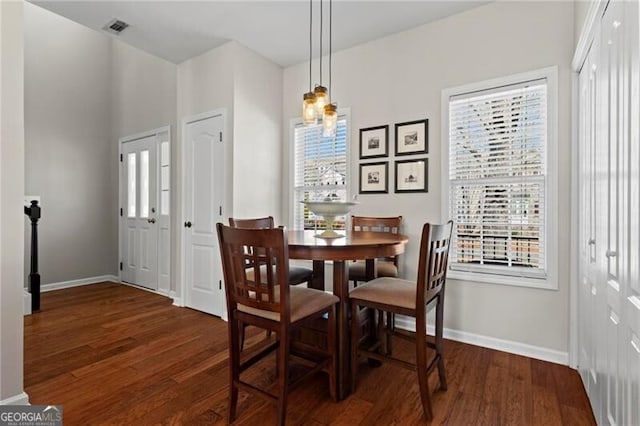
(329,209)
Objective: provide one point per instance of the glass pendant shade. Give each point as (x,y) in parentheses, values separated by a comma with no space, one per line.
(322,98)
(330,120)
(309,115)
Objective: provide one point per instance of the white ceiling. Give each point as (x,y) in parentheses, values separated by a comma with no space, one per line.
(278,30)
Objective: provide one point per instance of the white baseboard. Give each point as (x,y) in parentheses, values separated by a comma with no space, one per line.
(80,282)
(518,348)
(26,302)
(177,301)
(164,293)
(20,399)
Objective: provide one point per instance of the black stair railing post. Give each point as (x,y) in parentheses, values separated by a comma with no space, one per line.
(34,214)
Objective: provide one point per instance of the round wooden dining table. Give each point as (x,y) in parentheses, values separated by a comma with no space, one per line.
(355,245)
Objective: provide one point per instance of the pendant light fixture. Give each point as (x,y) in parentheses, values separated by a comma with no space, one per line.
(317,103)
(309,113)
(330,111)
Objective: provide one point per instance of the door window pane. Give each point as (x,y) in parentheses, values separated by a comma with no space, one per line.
(164,156)
(131,184)
(164,178)
(144,183)
(164,203)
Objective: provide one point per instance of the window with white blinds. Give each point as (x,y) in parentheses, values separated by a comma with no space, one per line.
(320,170)
(497,194)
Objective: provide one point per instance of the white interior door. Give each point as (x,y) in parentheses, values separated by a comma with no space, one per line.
(139,215)
(204,187)
(609,297)
(588,289)
(614,151)
(631,299)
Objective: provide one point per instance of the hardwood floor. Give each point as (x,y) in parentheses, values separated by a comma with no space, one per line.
(112,354)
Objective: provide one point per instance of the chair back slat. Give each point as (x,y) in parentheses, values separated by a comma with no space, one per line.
(434,261)
(255,264)
(253,223)
(256,223)
(376,224)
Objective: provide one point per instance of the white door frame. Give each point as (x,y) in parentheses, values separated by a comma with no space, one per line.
(121,142)
(181,300)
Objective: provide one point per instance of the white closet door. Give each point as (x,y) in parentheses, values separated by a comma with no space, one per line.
(204,192)
(588,201)
(609,295)
(613,144)
(631,301)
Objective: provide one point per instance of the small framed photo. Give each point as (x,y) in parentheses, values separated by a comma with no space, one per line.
(373,178)
(374,142)
(412,137)
(412,175)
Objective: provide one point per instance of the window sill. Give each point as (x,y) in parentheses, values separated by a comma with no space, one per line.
(476,277)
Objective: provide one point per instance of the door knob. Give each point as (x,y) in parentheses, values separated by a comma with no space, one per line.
(591,241)
(152,220)
(187,224)
(611,253)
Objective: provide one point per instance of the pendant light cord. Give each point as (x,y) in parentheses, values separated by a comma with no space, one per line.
(310,41)
(320,42)
(330,42)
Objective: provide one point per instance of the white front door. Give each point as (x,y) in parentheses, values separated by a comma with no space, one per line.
(139,214)
(204,188)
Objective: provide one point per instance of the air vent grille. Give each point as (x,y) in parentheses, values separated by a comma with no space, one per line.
(115,26)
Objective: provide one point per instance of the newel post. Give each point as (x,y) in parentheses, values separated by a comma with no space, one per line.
(34,214)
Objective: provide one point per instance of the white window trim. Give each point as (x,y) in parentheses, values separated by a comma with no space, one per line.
(551,190)
(342,112)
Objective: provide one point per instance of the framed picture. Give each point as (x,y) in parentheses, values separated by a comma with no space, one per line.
(374,142)
(412,137)
(412,175)
(373,178)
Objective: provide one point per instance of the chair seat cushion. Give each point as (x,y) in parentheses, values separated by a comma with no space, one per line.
(303,302)
(358,269)
(388,291)
(297,274)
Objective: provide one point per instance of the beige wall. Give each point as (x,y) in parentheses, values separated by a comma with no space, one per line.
(257,136)
(67,155)
(84,90)
(143,90)
(11,194)
(409,70)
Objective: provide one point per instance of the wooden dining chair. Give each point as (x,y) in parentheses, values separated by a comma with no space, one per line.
(411,299)
(266,300)
(386,267)
(297,274)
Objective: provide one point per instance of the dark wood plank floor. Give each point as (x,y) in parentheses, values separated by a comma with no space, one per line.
(112,354)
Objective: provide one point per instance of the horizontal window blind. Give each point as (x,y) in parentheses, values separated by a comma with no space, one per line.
(497,180)
(320,170)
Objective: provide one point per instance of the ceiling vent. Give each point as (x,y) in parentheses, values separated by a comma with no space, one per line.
(115,26)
